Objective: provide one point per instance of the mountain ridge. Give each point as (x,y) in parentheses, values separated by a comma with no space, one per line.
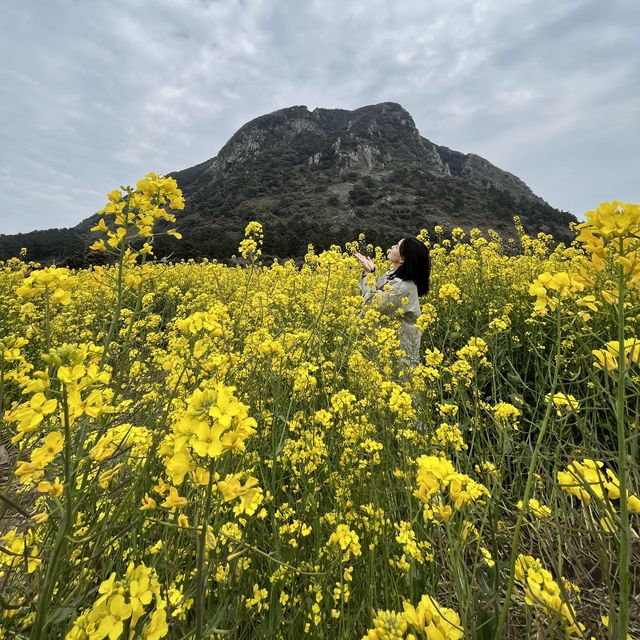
(326,175)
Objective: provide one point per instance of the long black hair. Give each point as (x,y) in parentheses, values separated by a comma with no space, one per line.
(416,265)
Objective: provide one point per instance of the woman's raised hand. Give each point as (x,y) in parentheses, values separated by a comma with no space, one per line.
(367,263)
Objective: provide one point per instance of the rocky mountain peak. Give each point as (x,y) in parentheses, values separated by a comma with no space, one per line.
(365,139)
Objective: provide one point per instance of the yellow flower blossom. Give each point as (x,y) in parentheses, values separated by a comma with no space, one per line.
(174,500)
(250,494)
(539,510)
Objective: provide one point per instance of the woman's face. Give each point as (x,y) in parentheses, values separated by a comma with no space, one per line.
(393,254)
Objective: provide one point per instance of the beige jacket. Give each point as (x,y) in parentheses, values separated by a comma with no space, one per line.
(389,301)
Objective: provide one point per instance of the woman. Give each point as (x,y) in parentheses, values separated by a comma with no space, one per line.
(400,289)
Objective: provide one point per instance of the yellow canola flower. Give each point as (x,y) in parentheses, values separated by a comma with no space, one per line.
(449,291)
(259,599)
(282,330)
(607,358)
(437,480)
(563,402)
(206,440)
(174,500)
(475,349)
(178,464)
(135,212)
(30,414)
(112,623)
(387,625)
(487,558)
(432,620)
(183,521)
(550,288)
(10,348)
(347,540)
(98,245)
(487,468)
(54,282)
(506,414)
(51,447)
(584,479)
(27,472)
(539,510)
(610,220)
(100,226)
(123,437)
(148,503)
(608,524)
(589,478)
(448,435)
(214,423)
(250,493)
(17,549)
(418,551)
(77,370)
(428,619)
(202,321)
(433,472)
(544,593)
(121,604)
(157,626)
(250,247)
(54,489)
(71,375)
(589,302)
(630,264)
(117,238)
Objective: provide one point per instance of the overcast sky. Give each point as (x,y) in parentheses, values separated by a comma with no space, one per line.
(94,94)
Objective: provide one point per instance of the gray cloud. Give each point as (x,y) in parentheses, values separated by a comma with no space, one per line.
(94,95)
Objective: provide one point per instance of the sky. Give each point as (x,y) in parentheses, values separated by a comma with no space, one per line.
(94,94)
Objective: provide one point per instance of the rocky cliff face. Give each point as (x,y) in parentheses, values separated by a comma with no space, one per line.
(326,175)
(366,140)
(363,140)
(263,138)
(477,171)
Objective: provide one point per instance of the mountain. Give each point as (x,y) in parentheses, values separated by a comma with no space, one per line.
(323,177)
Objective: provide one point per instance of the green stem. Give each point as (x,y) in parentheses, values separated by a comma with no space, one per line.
(116,314)
(125,347)
(47,320)
(1,380)
(515,543)
(625,541)
(201,577)
(51,577)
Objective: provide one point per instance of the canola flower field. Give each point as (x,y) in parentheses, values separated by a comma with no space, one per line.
(207,451)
